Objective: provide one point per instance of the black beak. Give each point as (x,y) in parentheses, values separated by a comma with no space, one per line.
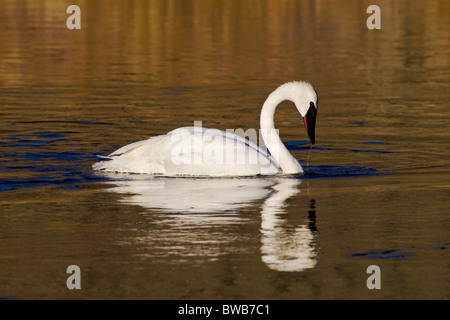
(310,122)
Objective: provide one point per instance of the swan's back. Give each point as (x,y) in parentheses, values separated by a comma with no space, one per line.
(191,151)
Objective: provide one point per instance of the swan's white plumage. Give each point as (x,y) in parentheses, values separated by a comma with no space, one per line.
(197,151)
(156,155)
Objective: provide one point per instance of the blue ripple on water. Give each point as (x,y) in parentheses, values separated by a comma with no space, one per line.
(305,146)
(34,157)
(390,254)
(339,171)
(68,168)
(397,254)
(334,171)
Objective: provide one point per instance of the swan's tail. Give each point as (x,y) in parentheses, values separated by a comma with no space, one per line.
(104,164)
(124,164)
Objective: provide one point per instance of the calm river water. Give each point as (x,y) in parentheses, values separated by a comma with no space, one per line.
(376,189)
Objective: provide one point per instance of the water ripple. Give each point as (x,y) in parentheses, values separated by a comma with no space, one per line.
(31,160)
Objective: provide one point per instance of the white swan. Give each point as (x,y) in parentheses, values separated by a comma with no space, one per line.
(194,151)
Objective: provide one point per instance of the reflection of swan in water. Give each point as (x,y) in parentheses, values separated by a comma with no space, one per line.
(200,195)
(284,247)
(191,205)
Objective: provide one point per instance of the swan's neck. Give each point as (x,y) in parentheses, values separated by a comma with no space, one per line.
(287,163)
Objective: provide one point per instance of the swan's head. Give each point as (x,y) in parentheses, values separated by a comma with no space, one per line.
(305,99)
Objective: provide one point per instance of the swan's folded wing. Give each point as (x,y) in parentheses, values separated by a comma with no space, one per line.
(129,147)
